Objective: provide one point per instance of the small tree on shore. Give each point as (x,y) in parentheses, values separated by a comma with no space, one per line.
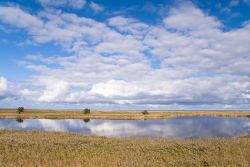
(144,112)
(20,110)
(86,111)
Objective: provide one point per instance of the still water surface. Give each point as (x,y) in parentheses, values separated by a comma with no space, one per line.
(177,127)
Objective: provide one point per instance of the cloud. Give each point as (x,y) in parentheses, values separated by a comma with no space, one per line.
(54,90)
(96,7)
(3,84)
(115,88)
(111,62)
(129,25)
(4,89)
(19,18)
(190,18)
(62,28)
(204,49)
(77,4)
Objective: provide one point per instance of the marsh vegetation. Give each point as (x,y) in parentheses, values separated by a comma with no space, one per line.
(126,115)
(32,148)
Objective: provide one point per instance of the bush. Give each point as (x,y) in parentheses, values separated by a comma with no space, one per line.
(144,112)
(20,110)
(86,111)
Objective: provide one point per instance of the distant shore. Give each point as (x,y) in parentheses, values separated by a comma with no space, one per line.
(114,115)
(35,148)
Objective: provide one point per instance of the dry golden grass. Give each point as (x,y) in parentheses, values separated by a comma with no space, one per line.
(61,114)
(32,148)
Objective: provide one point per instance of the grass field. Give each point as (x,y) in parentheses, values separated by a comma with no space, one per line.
(61,114)
(32,148)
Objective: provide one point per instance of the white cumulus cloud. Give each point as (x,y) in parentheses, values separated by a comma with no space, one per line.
(186,59)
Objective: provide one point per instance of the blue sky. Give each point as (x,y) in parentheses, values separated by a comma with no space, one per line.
(125,54)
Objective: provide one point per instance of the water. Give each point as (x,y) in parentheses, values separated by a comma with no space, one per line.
(177,128)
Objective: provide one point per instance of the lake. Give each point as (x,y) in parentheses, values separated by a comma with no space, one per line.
(176,128)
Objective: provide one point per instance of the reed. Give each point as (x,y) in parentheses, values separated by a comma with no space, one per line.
(33,148)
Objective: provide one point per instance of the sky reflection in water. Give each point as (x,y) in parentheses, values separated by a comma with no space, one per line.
(178,127)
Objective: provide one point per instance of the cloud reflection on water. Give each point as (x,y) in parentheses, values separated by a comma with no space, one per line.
(179,127)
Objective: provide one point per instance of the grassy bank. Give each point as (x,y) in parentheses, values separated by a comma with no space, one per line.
(61,114)
(20,148)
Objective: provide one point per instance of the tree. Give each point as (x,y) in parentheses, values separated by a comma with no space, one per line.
(20,110)
(144,112)
(86,111)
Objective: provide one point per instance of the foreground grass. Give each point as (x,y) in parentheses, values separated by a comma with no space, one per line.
(30,148)
(74,114)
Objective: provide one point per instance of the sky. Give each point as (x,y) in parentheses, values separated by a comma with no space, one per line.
(119,55)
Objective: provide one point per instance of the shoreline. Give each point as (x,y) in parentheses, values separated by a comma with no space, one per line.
(112,115)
